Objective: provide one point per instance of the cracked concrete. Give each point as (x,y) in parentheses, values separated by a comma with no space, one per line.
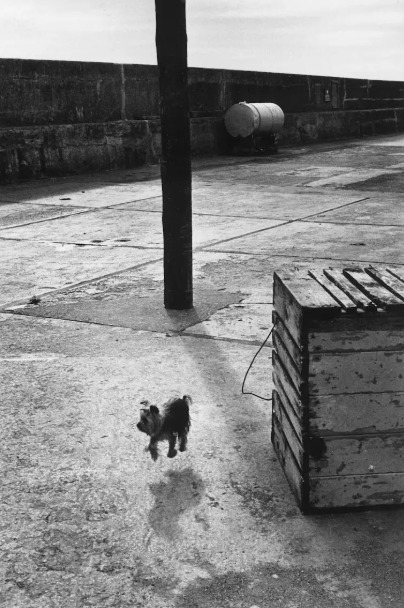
(88,519)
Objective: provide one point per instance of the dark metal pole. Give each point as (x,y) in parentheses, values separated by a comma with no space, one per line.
(171,43)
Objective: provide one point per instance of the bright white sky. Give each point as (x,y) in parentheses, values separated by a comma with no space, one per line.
(351,38)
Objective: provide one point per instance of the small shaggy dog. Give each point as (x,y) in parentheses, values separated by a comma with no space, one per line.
(172,424)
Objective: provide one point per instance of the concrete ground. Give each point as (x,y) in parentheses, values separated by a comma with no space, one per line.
(88,519)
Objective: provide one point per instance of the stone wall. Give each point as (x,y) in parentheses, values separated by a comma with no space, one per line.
(60,117)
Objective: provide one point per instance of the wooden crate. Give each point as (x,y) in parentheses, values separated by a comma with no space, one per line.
(338,407)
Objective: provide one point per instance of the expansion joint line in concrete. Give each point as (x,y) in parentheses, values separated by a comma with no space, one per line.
(80,211)
(243,217)
(242,236)
(85,244)
(305,217)
(117,206)
(229,215)
(168,333)
(47,219)
(95,210)
(300,257)
(5,307)
(324,221)
(285,223)
(21,313)
(190,334)
(337,207)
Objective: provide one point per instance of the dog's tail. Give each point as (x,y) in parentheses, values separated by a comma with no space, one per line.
(187,399)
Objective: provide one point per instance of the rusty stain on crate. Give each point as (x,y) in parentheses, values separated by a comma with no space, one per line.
(338,407)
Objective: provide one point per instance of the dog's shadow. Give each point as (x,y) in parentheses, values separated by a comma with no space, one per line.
(183,490)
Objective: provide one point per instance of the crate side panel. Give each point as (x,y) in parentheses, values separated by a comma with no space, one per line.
(288,463)
(288,363)
(356,491)
(356,455)
(361,413)
(282,379)
(283,419)
(293,409)
(282,331)
(358,372)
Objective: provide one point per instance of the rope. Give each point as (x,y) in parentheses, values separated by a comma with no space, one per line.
(250,366)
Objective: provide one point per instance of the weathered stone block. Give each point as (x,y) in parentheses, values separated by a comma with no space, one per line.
(58,92)
(141,91)
(60,150)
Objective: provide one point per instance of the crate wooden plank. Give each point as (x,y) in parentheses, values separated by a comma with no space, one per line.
(307,292)
(357,455)
(279,411)
(356,491)
(282,379)
(281,342)
(387,280)
(373,290)
(358,372)
(287,462)
(357,339)
(296,297)
(287,361)
(362,413)
(280,327)
(361,300)
(295,415)
(344,300)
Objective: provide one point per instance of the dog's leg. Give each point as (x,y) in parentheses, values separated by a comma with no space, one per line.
(171,446)
(183,442)
(152,448)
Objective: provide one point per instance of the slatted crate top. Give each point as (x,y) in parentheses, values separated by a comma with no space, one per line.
(302,295)
(338,367)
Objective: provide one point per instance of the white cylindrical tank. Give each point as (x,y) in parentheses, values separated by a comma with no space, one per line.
(243,119)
